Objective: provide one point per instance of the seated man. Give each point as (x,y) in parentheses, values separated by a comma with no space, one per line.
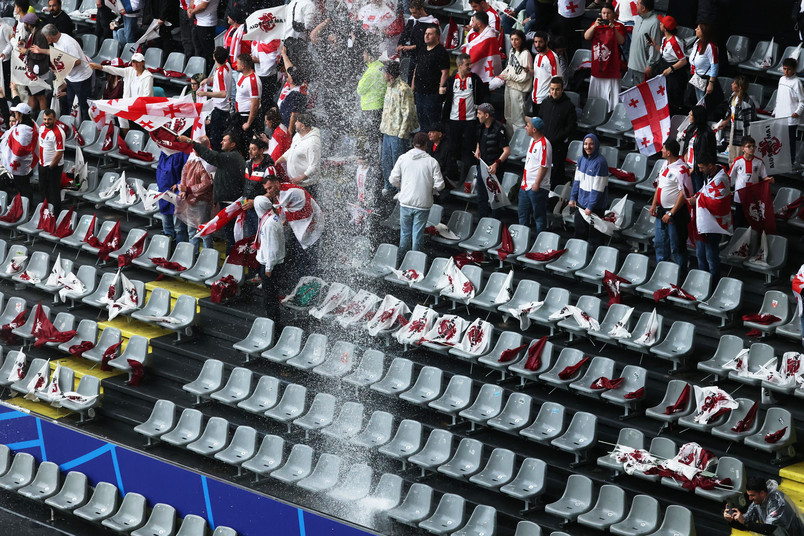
(770,511)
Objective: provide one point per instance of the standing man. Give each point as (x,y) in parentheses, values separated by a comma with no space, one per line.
(411,40)
(59,18)
(248,93)
(300,22)
(204,15)
(185,26)
(21,160)
(545,68)
(492,148)
(417,175)
(536,177)
(669,207)
(712,215)
(51,153)
(270,241)
(646,33)
(398,121)
(430,78)
(464,93)
(221,79)
(258,166)
(79,79)
(371,89)
(303,159)
(560,120)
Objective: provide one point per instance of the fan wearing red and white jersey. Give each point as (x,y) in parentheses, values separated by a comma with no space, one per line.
(536,176)
(18,152)
(746,169)
(266,56)
(221,83)
(669,207)
(248,91)
(51,153)
(545,67)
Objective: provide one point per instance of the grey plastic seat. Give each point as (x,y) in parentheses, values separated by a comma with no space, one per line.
(526,291)
(499,470)
(573,260)
(576,500)
(324,476)
(665,274)
(427,387)
(89,387)
(727,349)
(436,451)
(569,357)
(642,233)
(529,483)
(34,367)
(30,227)
(486,299)
(192,525)
(465,462)
(519,144)
(617,125)
(314,352)
(158,246)
(677,345)
(599,367)
(161,421)
(59,220)
(726,299)
(416,507)
(520,236)
(264,397)
(183,254)
(38,267)
(299,464)
(697,283)
(528,528)
(102,234)
(627,437)
(662,448)
(108,337)
(591,306)
(640,329)
(368,371)
(776,419)
(23,216)
(268,458)
(260,337)
(161,522)
(406,442)
(791,330)
(224,531)
(548,424)
(475,276)
(775,261)
(14,307)
(320,414)
(45,484)
(593,114)
(87,274)
(604,259)
(642,518)
(634,380)
(414,260)
(614,316)
(158,305)
(6,270)
(759,355)
(508,340)
(136,350)
(209,380)
(514,416)
(580,436)
(242,447)
(382,263)
(774,303)
(25,330)
(354,486)
(130,516)
(429,284)
(100,292)
(732,468)
(288,345)
(227,269)
(486,405)
(677,521)
(6,381)
(237,388)
(101,505)
(456,397)
(206,265)
(291,406)
(398,378)
(62,322)
(487,235)
(674,390)
(74,493)
(348,422)
(187,430)
(460,223)
(482,522)
(386,495)
(448,515)
(213,439)
(377,432)
(339,361)
(609,508)
(555,300)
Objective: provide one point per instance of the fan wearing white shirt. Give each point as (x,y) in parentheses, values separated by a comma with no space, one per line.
(790,100)
(79,79)
(205,15)
(137,80)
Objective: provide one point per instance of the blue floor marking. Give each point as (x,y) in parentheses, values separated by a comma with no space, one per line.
(117,470)
(25,444)
(301,522)
(66,466)
(41,439)
(12,415)
(207,502)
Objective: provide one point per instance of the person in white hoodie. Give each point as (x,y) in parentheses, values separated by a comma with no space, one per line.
(303,159)
(790,101)
(137,80)
(417,175)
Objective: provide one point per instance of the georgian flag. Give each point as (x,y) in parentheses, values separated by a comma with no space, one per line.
(767,61)
(359,310)
(302,213)
(711,402)
(484,49)
(757,203)
(18,371)
(221,219)
(451,37)
(266,24)
(70,286)
(761,254)
(152,112)
(115,188)
(337,295)
(19,149)
(421,321)
(409,276)
(647,107)
(648,338)
(713,207)
(455,285)
(390,311)
(80,169)
(128,300)
(446,330)
(581,317)
(477,338)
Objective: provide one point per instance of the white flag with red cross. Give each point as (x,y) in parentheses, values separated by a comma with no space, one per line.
(152,112)
(713,207)
(648,110)
(484,49)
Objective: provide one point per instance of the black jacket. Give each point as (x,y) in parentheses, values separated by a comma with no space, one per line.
(446,162)
(62,22)
(560,119)
(704,143)
(228,182)
(480,91)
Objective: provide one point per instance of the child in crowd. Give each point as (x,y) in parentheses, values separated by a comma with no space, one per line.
(746,169)
(790,100)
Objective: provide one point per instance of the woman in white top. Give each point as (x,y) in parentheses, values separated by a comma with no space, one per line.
(518,76)
(137,80)
(704,63)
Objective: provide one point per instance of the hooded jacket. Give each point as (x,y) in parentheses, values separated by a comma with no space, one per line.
(304,156)
(591,179)
(416,174)
(271,235)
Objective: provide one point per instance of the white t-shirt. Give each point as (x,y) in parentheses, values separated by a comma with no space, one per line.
(674,180)
(744,171)
(268,54)
(671,50)
(540,155)
(209,16)
(68,45)
(51,141)
(248,87)
(221,81)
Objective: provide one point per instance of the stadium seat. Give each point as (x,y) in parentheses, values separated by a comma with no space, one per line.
(569,357)
(299,465)
(268,458)
(44,485)
(579,438)
(414,260)
(37,270)
(429,285)
(671,397)
(641,234)
(776,259)
(475,276)
(59,220)
(661,448)
(227,269)
(520,236)
(436,451)
(157,306)
(354,486)
(627,437)
(457,396)
(486,299)
(339,361)
(264,397)
(609,508)
(635,378)
(260,337)
(529,483)
(727,349)
(486,235)
(377,432)
(76,239)
(526,291)
(447,517)
(461,190)
(105,228)
(73,494)
(130,516)
(89,387)
(161,421)
(209,380)
(31,226)
(482,522)
(136,351)
(545,241)
(776,70)
(427,387)
(25,331)
(514,416)
(324,475)
(760,359)
(348,422)
(774,303)
(162,521)
(101,505)
(21,471)
(614,316)
(555,300)
(589,305)
(754,62)
(724,431)
(677,521)
(528,528)
(519,143)
(368,371)
(320,414)
(665,274)
(640,329)
(698,283)
(290,406)
(183,254)
(678,345)
(486,405)
(213,439)
(87,330)
(576,257)
(406,441)
(507,340)
(599,367)
(548,425)
(313,354)
(465,462)
(776,420)
(460,224)
(604,259)
(617,125)
(382,263)
(237,388)
(397,379)
(727,298)
(7,271)
(791,330)
(576,500)
(108,337)
(416,507)
(173,62)
(727,468)
(594,113)
(206,266)
(545,363)
(499,470)
(288,345)
(642,519)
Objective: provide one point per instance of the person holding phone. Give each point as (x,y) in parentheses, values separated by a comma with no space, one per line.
(646,31)
(770,510)
(606,36)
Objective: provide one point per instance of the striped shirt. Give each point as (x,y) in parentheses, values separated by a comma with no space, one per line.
(540,155)
(51,141)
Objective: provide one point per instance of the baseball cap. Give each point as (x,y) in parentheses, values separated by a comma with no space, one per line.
(486,108)
(538,123)
(138,57)
(668,22)
(21,108)
(30,18)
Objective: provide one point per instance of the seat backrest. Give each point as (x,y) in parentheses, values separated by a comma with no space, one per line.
(528,528)
(631,437)
(677,520)
(775,303)
(611,155)
(175,62)
(579,489)
(665,273)
(136,349)
(153,57)
(385,255)
(551,414)
(195,65)
(575,150)
(663,447)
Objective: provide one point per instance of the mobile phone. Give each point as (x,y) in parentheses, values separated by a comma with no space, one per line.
(649,39)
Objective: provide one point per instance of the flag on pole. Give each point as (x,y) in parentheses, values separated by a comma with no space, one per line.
(61,64)
(647,107)
(497,198)
(151,33)
(773,144)
(266,24)
(221,219)
(152,112)
(484,49)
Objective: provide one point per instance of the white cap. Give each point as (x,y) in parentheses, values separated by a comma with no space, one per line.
(21,108)
(138,57)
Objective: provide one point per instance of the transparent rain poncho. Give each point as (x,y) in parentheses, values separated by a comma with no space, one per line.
(777,510)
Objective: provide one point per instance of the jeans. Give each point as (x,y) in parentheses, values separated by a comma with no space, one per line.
(533,205)
(186,28)
(50,185)
(428,109)
(183,229)
(169,226)
(412,222)
(392,148)
(128,33)
(670,240)
(83,90)
(707,249)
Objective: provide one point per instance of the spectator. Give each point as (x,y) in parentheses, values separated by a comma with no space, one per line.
(185,27)
(195,87)
(137,80)
(195,193)
(228,184)
(167,16)
(464,92)
(545,68)
(233,38)
(704,64)
(646,33)
(398,121)
(439,148)
(247,95)
(114,84)
(204,16)
(492,148)
(297,29)
(303,159)
(266,58)
(279,140)
(590,189)
(51,159)
(271,251)
(606,35)
(482,6)
(770,511)
(536,177)
(411,41)
(790,101)
(20,161)
(257,167)
(79,79)
(560,120)
(671,62)
(698,139)
(669,207)
(130,13)
(712,215)
(528,18)
(38,63)
(371,89)
(739,115)
(417,176)
(293,97)
(103,22)
(798,293)
(518,76)
(59,18)
(221,80)
(168,177)
(746,169)
(6,37)
(430,78)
